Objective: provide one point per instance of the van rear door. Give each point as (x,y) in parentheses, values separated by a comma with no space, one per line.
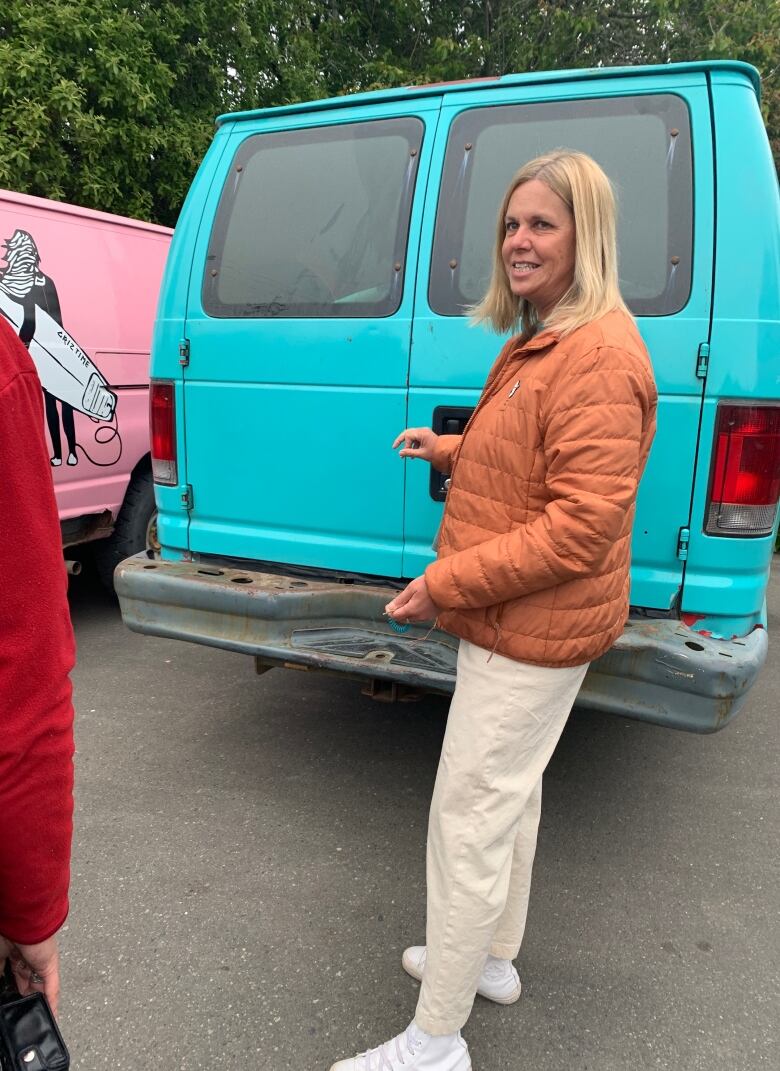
(299,323)
(641,130)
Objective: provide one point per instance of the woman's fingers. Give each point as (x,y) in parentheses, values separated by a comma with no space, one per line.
(411,438)
(417,442)
(414,603)
(407,442)
(397,604)
(401,599)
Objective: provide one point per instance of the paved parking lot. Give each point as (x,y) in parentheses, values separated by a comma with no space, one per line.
(249,865)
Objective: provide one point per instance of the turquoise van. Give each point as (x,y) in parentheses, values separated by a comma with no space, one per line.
(314,304)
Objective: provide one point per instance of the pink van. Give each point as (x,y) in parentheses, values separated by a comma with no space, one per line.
(80,288)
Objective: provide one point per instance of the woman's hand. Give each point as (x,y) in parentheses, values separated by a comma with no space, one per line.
(36,968)
(417,442)
(414,603)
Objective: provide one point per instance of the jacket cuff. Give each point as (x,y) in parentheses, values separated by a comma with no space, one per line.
(444,451)
(34,935)
(439,583)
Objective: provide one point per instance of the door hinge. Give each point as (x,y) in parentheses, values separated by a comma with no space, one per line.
(186,497)
(703,360)
(184,352)
(682,544)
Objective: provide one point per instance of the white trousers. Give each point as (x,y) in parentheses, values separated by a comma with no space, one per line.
(504,722)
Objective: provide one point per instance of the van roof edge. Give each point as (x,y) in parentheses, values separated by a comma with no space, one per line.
(529,77)
(67,209)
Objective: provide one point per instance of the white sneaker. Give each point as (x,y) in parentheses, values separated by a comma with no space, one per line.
(499,980)
(72,459)
(415,1050)
(56,461)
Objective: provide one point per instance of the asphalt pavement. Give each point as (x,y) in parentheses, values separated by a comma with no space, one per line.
(249,864)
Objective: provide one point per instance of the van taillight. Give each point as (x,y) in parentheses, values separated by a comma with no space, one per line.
(745,481)
(162,418)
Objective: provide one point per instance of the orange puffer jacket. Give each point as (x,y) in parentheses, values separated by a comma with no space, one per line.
(535,543)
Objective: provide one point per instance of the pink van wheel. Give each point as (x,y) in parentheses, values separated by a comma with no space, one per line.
(135,529)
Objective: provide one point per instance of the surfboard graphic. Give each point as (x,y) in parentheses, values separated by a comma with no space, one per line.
(64,368)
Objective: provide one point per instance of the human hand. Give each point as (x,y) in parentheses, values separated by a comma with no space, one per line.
(418,442)
(414,603)
(36,968)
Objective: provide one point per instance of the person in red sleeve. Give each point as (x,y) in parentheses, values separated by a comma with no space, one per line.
(37,653)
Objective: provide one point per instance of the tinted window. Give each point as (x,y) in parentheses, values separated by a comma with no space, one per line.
(314,222)
(643,144)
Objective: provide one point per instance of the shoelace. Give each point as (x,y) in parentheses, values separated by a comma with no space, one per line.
(384,1052)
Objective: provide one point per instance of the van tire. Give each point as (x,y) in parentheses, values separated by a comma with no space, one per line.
(134,531)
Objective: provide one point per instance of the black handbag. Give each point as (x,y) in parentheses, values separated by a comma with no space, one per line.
(29,1037)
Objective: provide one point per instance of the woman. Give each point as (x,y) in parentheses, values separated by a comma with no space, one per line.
(532,574)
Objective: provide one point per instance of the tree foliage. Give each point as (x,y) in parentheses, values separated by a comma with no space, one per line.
(110,103)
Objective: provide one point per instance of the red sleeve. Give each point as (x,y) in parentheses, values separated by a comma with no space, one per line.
(36,656)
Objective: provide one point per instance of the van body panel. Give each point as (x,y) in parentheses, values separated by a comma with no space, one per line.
(87,489)
(726,68)
(169,334)
(447,353)
(302,406)
(725,576)
(179,267)
(96,287)
(748,260)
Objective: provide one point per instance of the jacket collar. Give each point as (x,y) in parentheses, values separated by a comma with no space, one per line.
(540,341)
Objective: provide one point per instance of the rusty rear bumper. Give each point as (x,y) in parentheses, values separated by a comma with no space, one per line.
(658,671)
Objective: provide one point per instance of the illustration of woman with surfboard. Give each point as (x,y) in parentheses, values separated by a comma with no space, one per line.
(28,299)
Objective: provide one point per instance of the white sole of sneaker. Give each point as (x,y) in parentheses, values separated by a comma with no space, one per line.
(411,968)
(464,1067)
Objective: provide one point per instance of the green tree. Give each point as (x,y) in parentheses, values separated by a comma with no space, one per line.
(364,44)
(110,103)
(734,29)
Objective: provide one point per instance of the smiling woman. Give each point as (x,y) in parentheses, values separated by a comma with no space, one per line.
(556,248)
(538,247)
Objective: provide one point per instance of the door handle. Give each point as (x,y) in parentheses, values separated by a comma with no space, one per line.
(447,420)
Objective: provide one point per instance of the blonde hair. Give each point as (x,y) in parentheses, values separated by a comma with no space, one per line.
(586,191)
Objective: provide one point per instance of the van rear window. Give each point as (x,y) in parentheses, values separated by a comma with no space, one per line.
(644,145)
(315,222)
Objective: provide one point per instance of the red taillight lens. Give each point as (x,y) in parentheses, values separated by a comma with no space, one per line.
(162,418)
(745,483)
